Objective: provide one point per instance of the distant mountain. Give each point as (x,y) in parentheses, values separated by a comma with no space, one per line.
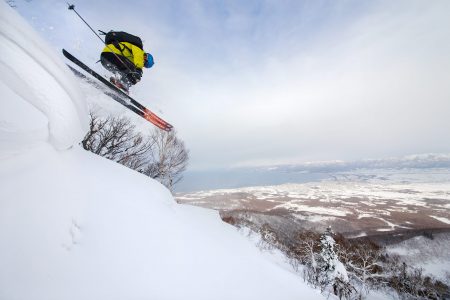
(420,161)
(301,172)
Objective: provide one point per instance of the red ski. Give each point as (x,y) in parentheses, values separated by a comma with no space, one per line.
(119,95)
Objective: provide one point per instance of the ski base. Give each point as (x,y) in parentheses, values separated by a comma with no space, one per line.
(117,94)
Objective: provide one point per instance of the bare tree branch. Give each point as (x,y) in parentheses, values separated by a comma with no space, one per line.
(160,155)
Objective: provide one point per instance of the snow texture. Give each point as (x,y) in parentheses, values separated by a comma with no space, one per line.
(33,73)
(74,225)
(329,260)
(432,255)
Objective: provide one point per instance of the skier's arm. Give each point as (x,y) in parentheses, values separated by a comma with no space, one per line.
(138,56)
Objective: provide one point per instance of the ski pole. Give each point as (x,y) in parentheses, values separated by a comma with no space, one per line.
(72,7)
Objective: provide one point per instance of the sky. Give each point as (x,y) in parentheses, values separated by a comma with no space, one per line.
(251,83)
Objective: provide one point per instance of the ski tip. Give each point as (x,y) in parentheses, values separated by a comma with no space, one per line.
(167,128)
(66,54)
(157,121)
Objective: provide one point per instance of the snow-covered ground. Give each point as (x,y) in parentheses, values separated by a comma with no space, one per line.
(76,226)
(407,186)
(378,200)
(357,203)
(433,255)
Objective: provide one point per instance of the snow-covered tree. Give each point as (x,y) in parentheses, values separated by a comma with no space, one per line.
(330,270)
(270,239)
(328,256)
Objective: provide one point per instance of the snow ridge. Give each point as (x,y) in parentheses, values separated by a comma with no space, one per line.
(31,70)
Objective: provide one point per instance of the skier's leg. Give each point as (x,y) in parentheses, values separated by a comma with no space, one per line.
(109,62)
(112,64)
(132,77)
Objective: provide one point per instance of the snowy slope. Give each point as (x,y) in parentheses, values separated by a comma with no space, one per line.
(32,72)
(76,226)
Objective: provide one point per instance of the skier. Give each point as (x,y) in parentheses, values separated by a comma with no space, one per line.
(124,56)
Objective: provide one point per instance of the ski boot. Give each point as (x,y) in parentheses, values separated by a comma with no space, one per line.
(120,85)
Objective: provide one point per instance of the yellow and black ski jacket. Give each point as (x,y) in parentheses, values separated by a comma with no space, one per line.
(131,52)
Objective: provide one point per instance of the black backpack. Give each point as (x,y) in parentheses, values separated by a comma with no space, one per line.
(114,37)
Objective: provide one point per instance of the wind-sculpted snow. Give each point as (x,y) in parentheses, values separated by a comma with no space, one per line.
(32,72)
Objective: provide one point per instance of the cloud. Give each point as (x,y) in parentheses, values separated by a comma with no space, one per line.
(377,86)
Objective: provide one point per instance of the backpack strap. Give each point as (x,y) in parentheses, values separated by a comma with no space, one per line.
(126,47)
(113,39)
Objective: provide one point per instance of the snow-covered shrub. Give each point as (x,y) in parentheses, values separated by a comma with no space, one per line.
(349,268)
(364,265)
(269,239)
(308,247)
(342,288)
(305,253)
(410,283)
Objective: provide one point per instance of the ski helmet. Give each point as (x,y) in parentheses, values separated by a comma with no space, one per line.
(148,60)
